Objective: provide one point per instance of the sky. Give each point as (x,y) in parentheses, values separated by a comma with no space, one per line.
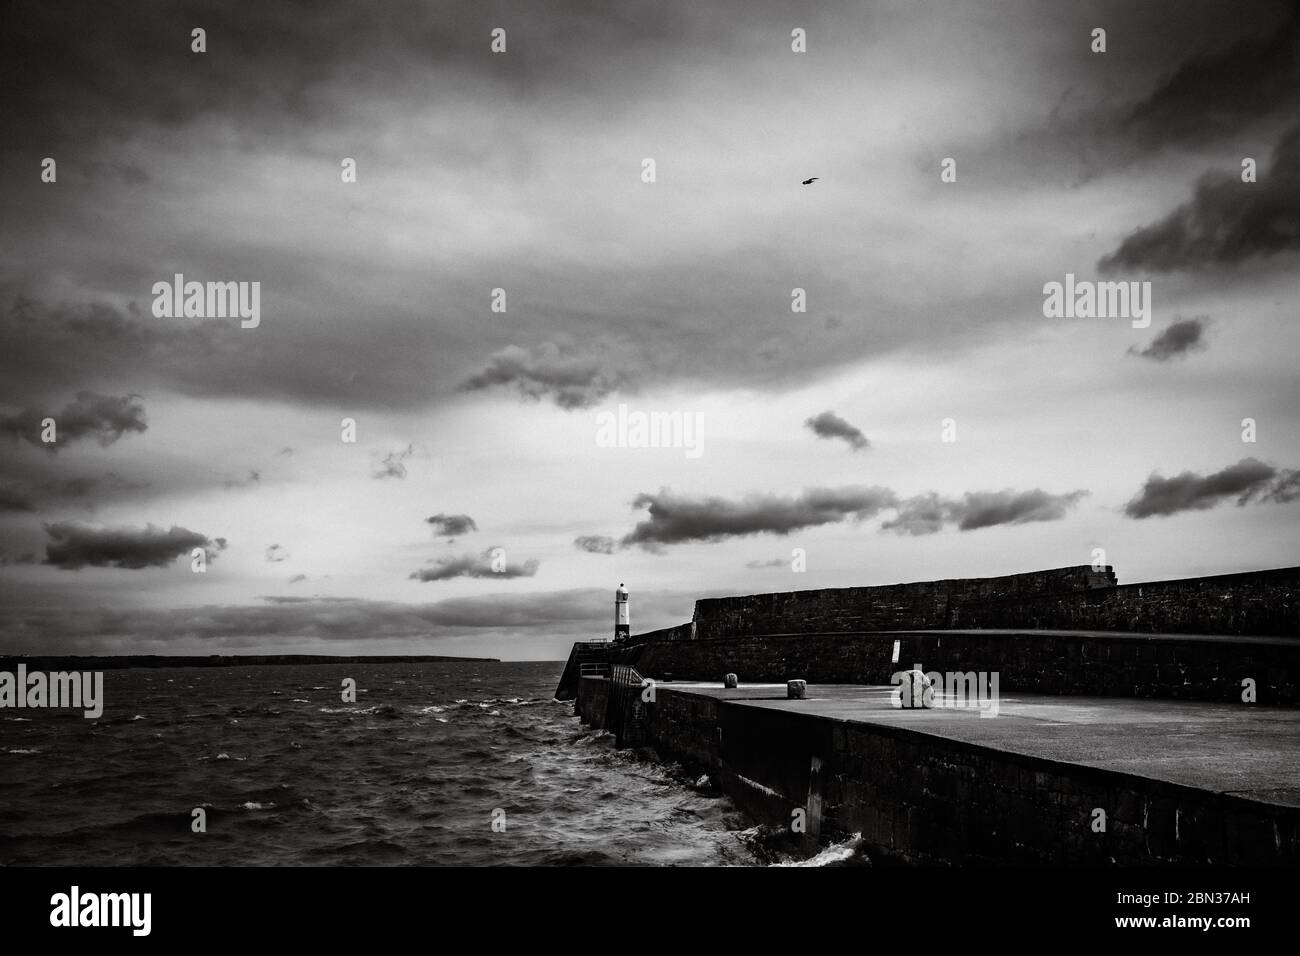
(505,271)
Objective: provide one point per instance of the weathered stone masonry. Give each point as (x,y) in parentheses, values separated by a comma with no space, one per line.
(916,797)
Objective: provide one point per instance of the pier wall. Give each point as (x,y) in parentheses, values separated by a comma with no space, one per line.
(1100,665)
(920,798)
(1256,602)
(846,635)
(922,604)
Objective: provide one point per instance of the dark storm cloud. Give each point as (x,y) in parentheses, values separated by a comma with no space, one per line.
(483,565)
(46,347)
(1172,77)
(1181,337)
(272,59)
(594,543)
(34,491)
(1215,92)
(929,513)
(830,425)
(74,546)
(984,509)
(289,85)
(106,418)
(451,526)
(1248,480)
(1225,223)
(544,373)
(679,518)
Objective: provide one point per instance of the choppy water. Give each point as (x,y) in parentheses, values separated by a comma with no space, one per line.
(411,774)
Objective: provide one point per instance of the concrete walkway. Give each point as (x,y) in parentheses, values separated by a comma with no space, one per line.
(1244,749)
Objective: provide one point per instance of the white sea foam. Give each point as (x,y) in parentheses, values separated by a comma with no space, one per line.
(835,853)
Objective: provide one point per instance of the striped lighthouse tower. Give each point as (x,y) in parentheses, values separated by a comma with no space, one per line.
(622,625)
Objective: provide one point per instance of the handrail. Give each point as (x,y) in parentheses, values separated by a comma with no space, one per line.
(626,674)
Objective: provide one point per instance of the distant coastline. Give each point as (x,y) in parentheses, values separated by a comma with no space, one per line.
(120,661)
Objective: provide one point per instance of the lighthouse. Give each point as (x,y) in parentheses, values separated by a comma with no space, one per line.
(622,626)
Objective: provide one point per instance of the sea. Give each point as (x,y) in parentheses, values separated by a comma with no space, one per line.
(434,764)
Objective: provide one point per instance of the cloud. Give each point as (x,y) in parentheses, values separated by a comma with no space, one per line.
(595,543)
(1248,480)
(678,518)
(928,513)
(47,348)
(1214,93)
(110,483)
(332,625)
(451,526)
(391,465)
(921,514)
(984,509)
(490,564)
(1181,337)
(15,498)
(74,546)
(103,417)
(774,563)
(544,373)
(276,553)
(1226,222)
(252,478)
(297,577)
(830,425)
(32,490)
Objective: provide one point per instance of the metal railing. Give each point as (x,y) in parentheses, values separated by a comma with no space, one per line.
(625,712)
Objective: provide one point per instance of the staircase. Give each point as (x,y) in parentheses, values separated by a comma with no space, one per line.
(586,657)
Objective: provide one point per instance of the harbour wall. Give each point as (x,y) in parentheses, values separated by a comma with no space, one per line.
(922,798)
(1143,639)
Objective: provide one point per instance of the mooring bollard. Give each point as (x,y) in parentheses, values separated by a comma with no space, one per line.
(796,689)
(731,680)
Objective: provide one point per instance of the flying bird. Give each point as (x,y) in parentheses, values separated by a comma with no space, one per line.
(809,182)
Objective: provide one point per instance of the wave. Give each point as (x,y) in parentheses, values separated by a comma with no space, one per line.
(836,854)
